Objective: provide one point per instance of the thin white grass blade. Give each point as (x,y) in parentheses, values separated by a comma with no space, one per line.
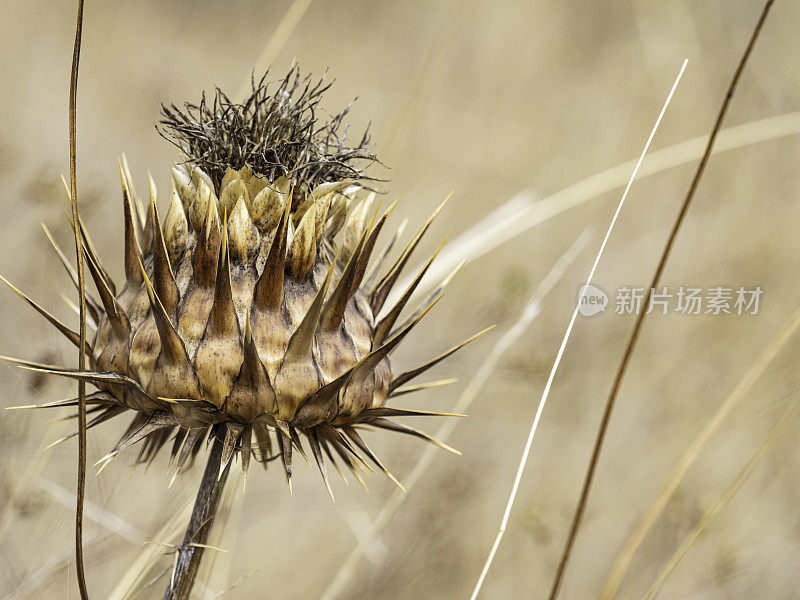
(531,311)
(752,375)
(592,187)
(724,499)
(543,401)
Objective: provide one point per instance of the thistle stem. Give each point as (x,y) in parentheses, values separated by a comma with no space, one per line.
(205,509)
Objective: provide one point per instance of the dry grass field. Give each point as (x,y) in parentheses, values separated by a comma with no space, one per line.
(489,101)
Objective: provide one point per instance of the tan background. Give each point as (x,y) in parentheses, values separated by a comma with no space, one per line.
(485,99)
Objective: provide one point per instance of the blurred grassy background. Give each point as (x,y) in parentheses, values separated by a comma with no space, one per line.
(485,99)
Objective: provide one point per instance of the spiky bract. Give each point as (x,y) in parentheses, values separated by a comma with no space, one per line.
(249,314)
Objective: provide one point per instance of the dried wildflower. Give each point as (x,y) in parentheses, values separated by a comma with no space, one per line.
(249,313)
(274,133)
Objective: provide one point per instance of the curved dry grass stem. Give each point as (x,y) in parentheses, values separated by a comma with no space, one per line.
(81,483)
(546,392)
(626,357)
(531,311)
(690,456)
(724,499)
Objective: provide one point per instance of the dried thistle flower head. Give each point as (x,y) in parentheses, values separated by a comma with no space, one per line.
(275,132)
(249,311)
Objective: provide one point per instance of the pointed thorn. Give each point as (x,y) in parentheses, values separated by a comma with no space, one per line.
(63,329)
(232,433)
(163,276)
(432,296)
(171,343)
(381,260)
(222,318)
(92,306)
(356,438)
(269,288)
(409,375)
(423,386)
(302,340)
(369,246)
(105,464)
(316,451)
(385,325)
(117,317)
(386,411)
(385,285)
(392,426)
(333,311)
(132,251)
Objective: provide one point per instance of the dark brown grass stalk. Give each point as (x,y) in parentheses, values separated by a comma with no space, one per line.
(81,484)
(190,552)
(601,433)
